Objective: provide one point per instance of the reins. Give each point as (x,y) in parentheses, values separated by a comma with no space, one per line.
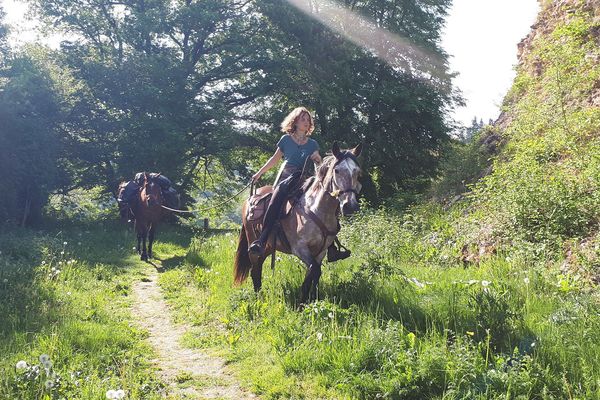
(227,200)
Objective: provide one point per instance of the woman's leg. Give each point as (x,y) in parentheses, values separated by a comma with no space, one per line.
(280,195)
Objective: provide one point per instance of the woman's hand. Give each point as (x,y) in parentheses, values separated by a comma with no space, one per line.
(256,176)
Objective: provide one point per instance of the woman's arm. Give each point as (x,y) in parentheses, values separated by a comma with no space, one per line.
(268,165)
(316,157)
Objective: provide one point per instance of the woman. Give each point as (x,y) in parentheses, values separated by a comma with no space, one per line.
(295,147)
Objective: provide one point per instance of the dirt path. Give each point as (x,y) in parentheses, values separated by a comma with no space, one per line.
(188,373)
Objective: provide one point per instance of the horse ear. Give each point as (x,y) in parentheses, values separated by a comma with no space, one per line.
(357,150)
(336,149)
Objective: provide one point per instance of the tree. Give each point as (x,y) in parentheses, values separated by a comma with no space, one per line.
(396,105)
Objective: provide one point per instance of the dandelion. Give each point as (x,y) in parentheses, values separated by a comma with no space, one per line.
(526,280)
(49,384)
(21,365)
(111,394)
(319,336)
(470,333)
(53,269)
(60,263)
(62,253)
(68,293)
(64,243)
(485,283)
(43,262)
(120,394)
(44,358)
(5,280)
(330,315)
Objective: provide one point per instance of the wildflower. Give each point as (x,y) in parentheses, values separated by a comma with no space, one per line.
(49,384)
(68,293)
(5,280)
(319,336)
(470,333)
(62,253)
(111,394)
(526,280)
(64,243)
(43,262)
(53,269)
(485,283)
(330,315)
(21,364)
(120,394)
(44,358)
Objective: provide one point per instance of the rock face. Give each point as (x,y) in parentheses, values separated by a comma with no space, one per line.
(552,14)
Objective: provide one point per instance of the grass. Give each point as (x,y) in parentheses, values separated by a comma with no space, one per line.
(66,294)
(388,325)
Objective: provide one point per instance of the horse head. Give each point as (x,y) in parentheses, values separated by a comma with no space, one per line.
(344,174)
(151,193)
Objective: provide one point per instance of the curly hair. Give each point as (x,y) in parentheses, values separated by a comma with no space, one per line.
(289,123)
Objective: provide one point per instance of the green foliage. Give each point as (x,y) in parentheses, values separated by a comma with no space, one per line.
(64,312)
(29,143)
(388,325)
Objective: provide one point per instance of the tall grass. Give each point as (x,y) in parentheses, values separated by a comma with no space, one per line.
(391,324)
(65,297)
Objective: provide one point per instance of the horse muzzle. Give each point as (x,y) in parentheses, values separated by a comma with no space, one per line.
(350,207)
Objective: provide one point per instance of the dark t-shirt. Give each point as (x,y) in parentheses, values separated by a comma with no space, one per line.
(296,154)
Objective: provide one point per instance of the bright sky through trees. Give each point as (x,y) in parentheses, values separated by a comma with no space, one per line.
(481,36)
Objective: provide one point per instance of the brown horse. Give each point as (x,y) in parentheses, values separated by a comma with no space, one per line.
(312,223)
(148,212)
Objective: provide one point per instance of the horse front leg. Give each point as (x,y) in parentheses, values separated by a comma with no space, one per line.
(313,273)
(150,240)
(144,255)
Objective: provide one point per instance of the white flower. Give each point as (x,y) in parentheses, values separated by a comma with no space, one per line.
(21,364)
(319,336)
(47,364)
(485,283)
(62,253)
(330,315)
(53,269)
(43,262)
(111,394)
(64,243)
(68,293)
(471,282)
(5,280)
(49,384)
(526,280)
(44,358)
(120,394)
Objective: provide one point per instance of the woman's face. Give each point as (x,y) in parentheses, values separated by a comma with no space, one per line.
(303,123)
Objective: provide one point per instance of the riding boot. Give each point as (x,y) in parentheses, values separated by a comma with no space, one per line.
(279,196)
(335,254)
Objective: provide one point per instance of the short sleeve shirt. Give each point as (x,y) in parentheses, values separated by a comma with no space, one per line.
(296,154)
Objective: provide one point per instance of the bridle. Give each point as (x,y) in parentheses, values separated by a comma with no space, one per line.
(338,192)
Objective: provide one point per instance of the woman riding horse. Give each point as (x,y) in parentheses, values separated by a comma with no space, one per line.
(295,147)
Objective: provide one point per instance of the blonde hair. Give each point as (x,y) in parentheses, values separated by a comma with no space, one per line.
(289,123)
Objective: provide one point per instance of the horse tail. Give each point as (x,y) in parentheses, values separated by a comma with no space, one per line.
(242,264)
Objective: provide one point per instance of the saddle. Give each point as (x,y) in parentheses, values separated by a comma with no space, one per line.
(259,201)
